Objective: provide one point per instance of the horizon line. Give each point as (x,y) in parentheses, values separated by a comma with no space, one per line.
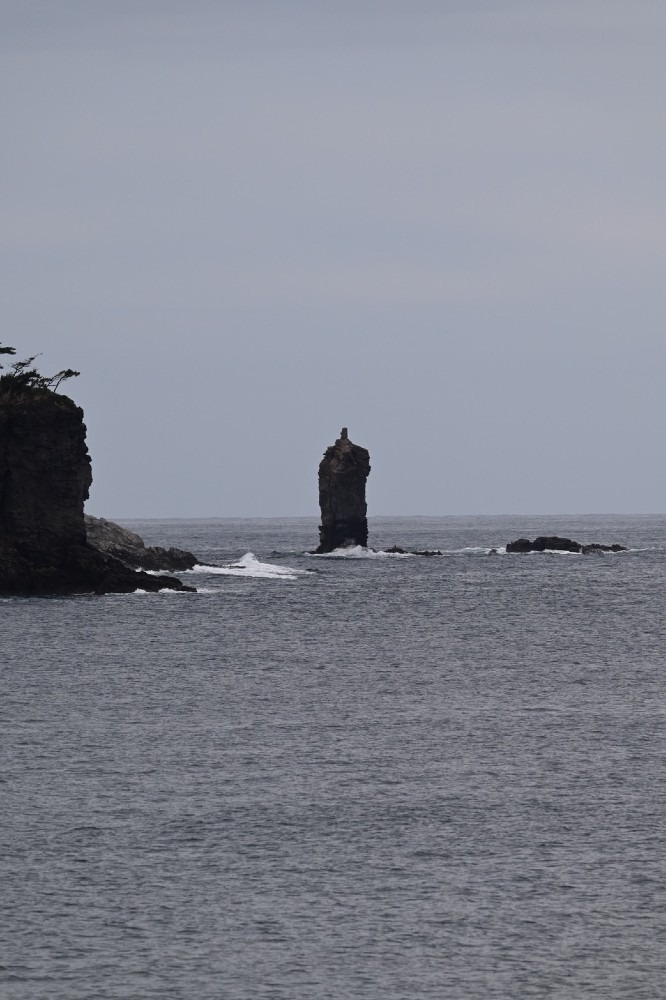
(371,517)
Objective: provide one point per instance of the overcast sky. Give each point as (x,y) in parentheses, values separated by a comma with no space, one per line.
(249,222)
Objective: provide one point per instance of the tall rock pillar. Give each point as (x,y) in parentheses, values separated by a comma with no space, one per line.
(343,472)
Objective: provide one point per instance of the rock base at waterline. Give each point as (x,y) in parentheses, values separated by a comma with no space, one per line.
(554,543)
(129,548)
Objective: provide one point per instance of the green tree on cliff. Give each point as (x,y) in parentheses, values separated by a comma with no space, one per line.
(23,377)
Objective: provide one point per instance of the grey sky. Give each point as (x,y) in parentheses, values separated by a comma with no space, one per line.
(247,223)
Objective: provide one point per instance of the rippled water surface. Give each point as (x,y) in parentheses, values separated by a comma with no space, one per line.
(385,777)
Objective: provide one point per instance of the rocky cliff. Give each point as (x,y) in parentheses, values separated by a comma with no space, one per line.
(45,475)
(343,472)
(130,548)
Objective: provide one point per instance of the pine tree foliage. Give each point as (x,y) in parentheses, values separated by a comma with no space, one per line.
(23,377)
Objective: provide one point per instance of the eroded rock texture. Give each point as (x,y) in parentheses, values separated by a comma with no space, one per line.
(553,543)
(343,473)
(125,545)
(45,475)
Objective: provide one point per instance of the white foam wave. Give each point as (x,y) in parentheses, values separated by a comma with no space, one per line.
(554,552)
(249,565)
(359,552)
(163,590)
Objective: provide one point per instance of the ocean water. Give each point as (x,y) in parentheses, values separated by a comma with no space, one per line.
(369,777)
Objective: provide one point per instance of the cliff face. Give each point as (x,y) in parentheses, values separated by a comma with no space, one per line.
(45,475)
(343,473)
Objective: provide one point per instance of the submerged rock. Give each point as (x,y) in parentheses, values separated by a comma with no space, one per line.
(343,472)
(123,544)
(554,543)
(45,475)
(397,550)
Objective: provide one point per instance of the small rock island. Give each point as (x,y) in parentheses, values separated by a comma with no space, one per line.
(343,473)
(553,543)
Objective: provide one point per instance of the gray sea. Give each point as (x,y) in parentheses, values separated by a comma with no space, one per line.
(373,776)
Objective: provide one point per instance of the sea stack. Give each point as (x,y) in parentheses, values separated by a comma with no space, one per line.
(343,472)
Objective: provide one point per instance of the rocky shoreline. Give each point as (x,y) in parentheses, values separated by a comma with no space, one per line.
(130,549)
(48,545)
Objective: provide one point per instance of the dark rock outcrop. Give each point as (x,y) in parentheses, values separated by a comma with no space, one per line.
(542,543)
(397,550)
(556,544)
(121,543)
(343,472)
(45,475)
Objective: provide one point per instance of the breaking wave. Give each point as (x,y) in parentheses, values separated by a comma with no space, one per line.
(154,593)
(249,565)
(359,552)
